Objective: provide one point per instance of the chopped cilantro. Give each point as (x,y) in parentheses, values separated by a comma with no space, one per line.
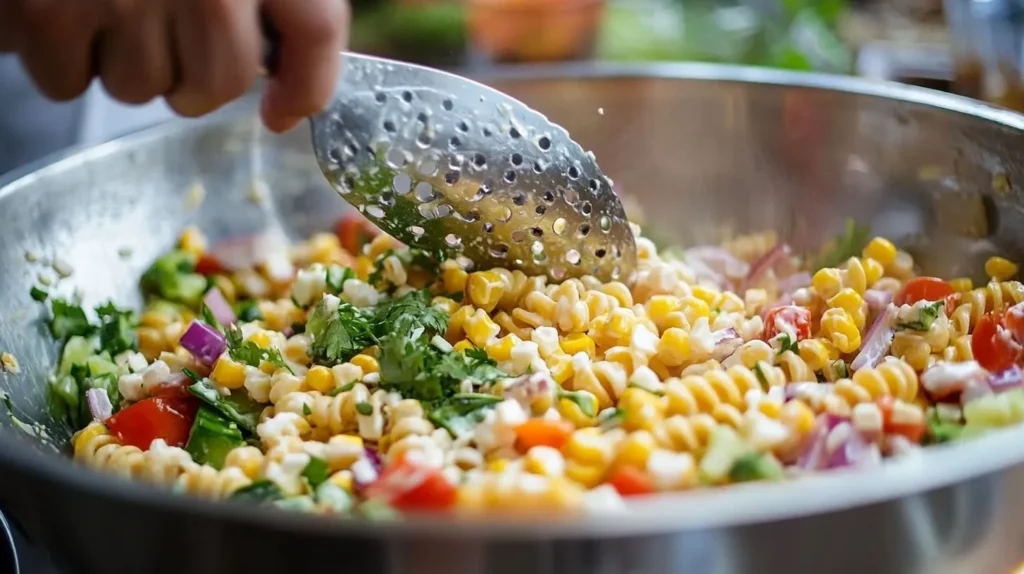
(195,378)
(407,313)
(250,353)
(611,418)
(259,492)
(940,431)
(462,412)
(786,343)
(206,316)
(237,407)
(298,328)
(341,389)
(337,276)
(847,245)
(926,315)
(306,411)
(173,277)
(248,312)
(116,329)
(585,401)
(38,294)
(212,437)
(760,375)
(364,408)
(68,320)
(316,472)
(339,336)
(840,369)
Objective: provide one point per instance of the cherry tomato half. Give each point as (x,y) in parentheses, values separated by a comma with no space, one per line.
(354,231)
(156,417)
(1014,321)
(993,345)
(923,289)
(209,265)
(798,318)
(631,481)
(408,485)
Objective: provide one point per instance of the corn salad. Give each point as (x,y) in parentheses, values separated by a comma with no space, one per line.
(352,374)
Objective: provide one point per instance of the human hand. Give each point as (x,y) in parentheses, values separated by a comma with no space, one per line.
(197,54)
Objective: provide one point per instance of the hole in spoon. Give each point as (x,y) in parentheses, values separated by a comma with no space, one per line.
(572,257)
(401,183)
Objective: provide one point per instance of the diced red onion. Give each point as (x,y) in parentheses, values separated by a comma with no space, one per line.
(814,455)
(726,342)
(877,300)
(220,307)
(765,263)
(204,342)
(718,260)
(1006,379)
(99,404)
(372,458)
(527,387)
(854,451)
(795,281)
(876,341)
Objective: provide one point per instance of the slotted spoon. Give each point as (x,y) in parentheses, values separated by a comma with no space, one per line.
(451,166)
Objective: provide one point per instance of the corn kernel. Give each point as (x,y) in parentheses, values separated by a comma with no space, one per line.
(572,412)
(485,289)
(705,294)
(770,409)
(1000,269)
(560,366)
(501,349)
(445,304)
(151,342)
(798,416)
(881,250)
(480,329)
(587,446)
(673,347)
(545,461)
(659,306)
(248,459)
(366,362)
(192,241)
(228,373)
(457,323)
(380,244)
(343,479)
(155,319)
(362,267)
(578,343)
(585,475)
(454,279)
(261,339)
(462,346)
(320,379)
(635,449)
(961,284)
(873,270)
(497,465)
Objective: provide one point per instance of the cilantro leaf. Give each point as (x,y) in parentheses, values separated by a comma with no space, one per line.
(249,353)
(926,315)
(462,412)
(248,312)
(38,294)
(68,320)
(116,329)
(407,313)
(206,316)
(847,245)
(760,376)
(786,343)
(236,407)
(337,276)
(840,369)
(585,401)
(340,336)
(316,472)
(472,365)
(259,492)
(212,437)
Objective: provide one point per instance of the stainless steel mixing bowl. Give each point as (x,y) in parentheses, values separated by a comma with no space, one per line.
(709,151)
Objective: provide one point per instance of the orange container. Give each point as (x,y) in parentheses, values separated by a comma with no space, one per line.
(534,30)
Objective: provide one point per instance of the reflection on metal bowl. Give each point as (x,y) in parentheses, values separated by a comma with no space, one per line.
(709,151)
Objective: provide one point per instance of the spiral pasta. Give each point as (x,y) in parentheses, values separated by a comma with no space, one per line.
(893,377)
(96,448)
(686,433)
(693,394)
(840,329)
(995,296)
(795,368)
(208,482)
(857,274)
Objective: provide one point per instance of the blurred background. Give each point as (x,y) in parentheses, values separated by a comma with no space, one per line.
(972,47)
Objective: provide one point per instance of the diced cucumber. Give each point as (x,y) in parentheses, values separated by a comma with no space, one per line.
(213,436)
(76,352)
(754,466)
(101,365)
(724,449)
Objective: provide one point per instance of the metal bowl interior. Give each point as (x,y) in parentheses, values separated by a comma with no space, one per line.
(709,151)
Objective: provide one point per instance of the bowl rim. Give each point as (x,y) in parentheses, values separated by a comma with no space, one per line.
(930,468)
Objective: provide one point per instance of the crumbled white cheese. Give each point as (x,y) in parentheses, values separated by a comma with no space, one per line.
(604,500)
(310,285)
(669,470)
(943,378)
(258,384)
(9,363)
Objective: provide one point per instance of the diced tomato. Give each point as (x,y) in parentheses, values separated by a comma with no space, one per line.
(156,417)
(1014,320)
(796,317)
(408,485)
(952,302)
(923,289)
(993,345)
(543,432)
(631,481)
(912,432)
(209,265)
(354,231)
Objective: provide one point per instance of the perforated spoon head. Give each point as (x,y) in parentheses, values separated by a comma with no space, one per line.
(451,166)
